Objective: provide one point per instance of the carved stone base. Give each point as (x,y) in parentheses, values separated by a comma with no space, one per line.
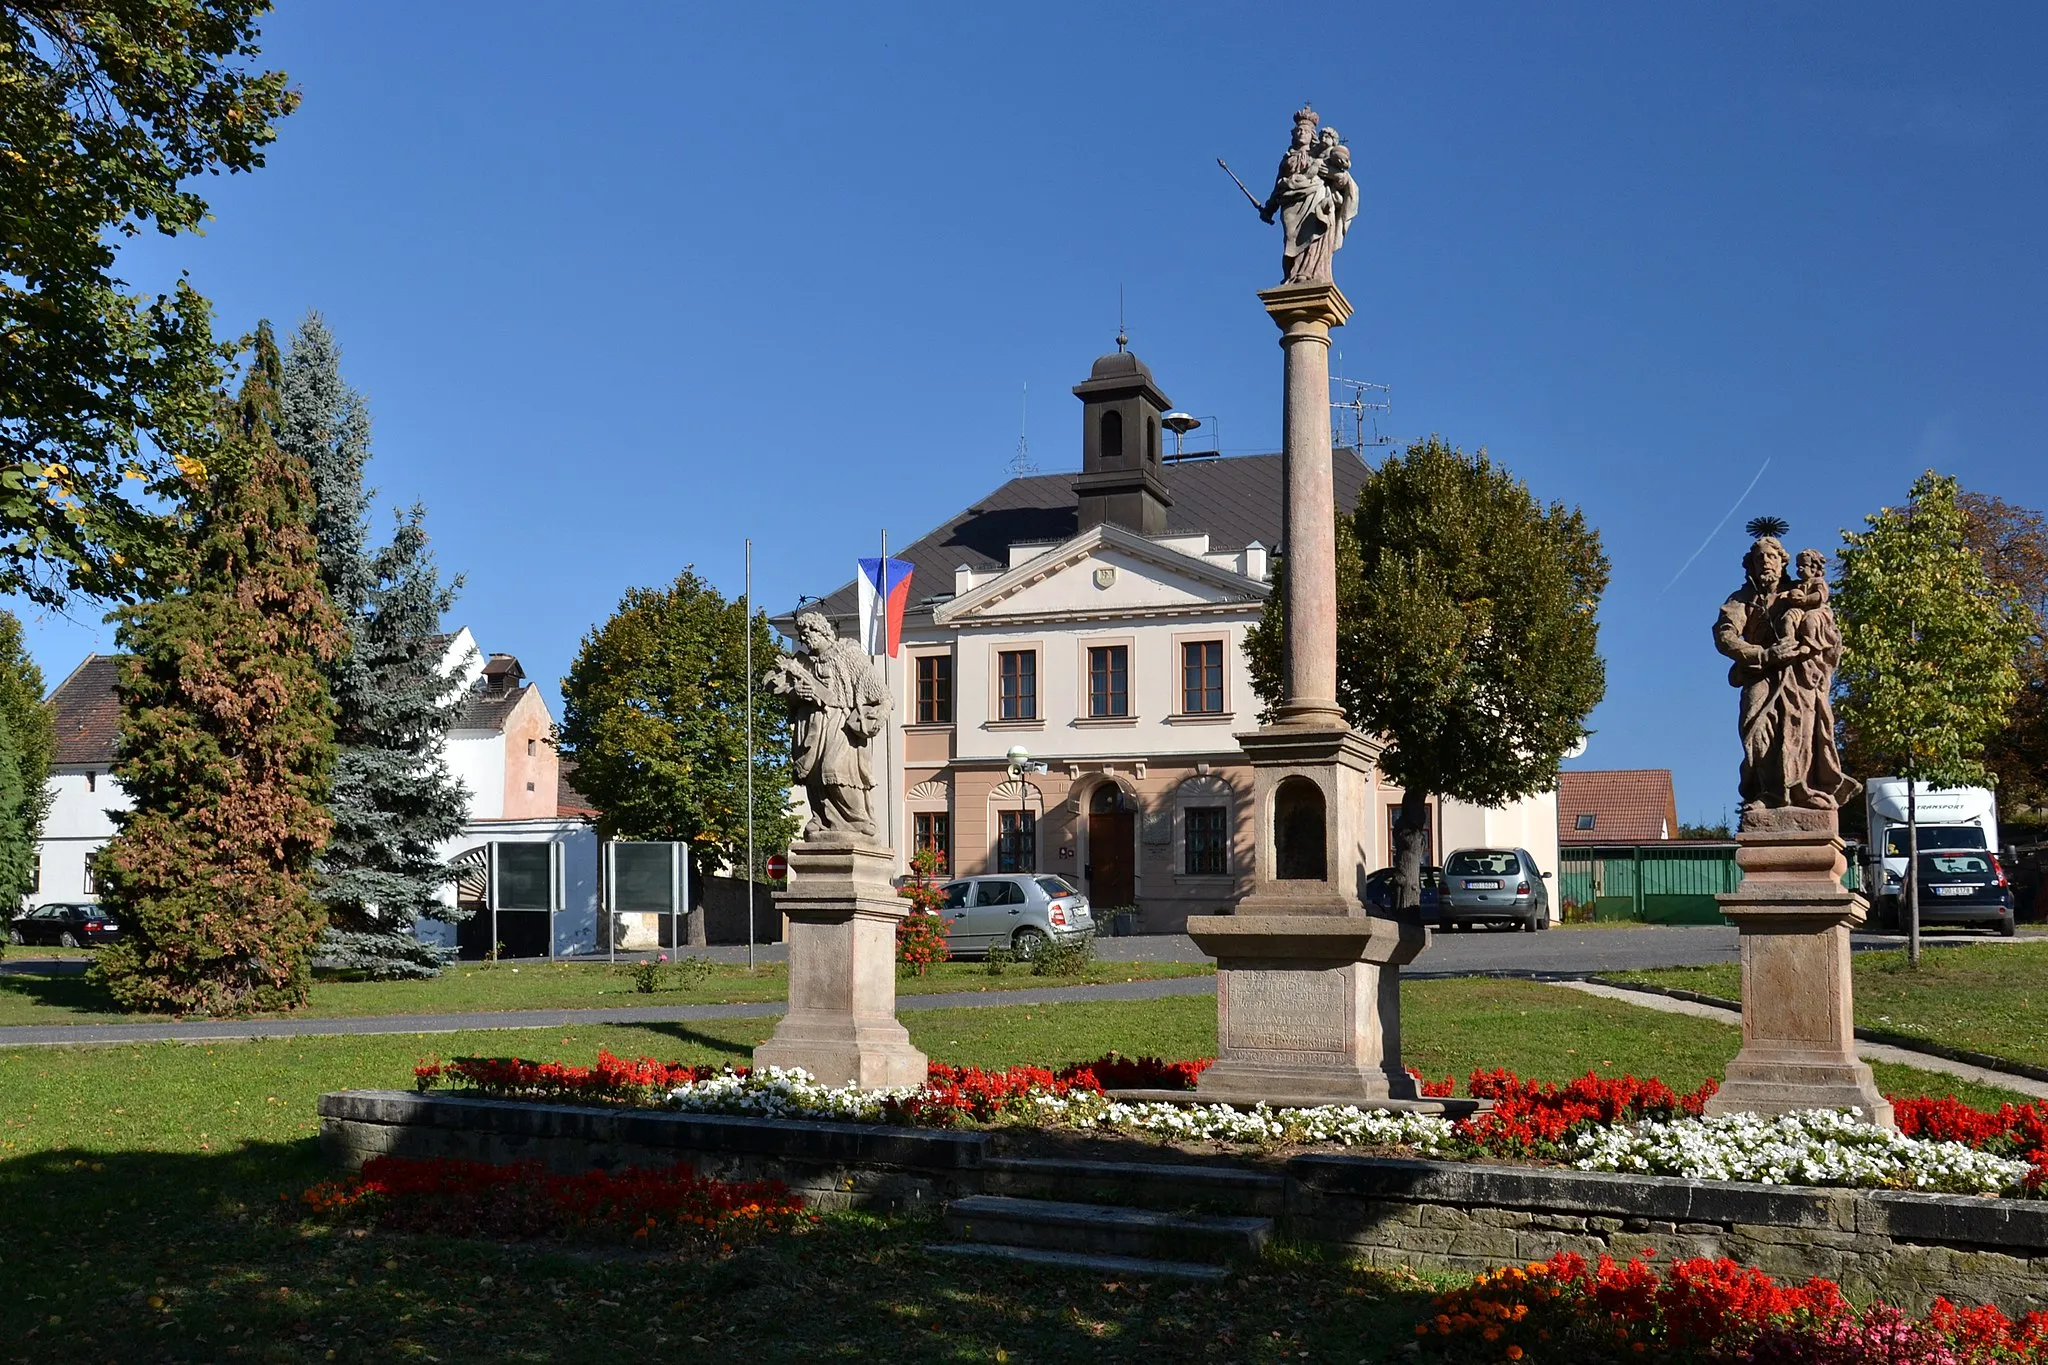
(841,1025)
(1308,1008)
(1798,1039)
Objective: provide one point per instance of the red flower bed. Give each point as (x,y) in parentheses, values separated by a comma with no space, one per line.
(1531,1118)
(1564,1309)
(613,1080)
(1114,1071)
(524,1200)
(2016,1130)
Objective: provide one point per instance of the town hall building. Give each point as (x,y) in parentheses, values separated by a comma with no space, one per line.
(1098,623)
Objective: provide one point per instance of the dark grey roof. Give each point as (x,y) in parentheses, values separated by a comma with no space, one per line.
(1236,500)
(486,709)
(86,712)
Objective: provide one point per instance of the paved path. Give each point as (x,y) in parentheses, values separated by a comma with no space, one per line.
(1869,1052)
(208,1031)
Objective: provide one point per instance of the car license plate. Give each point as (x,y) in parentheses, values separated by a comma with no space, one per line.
(1482,886)
(1953,890)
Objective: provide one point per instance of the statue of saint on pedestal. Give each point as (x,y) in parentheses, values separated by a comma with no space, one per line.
(837,706)
(1781,634)
(1314,198)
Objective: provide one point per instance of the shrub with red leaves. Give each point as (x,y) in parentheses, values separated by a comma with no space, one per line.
(525,1200)
(613,1080)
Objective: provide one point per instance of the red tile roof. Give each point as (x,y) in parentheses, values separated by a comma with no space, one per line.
(1626,806)
(87,713)
(570,803)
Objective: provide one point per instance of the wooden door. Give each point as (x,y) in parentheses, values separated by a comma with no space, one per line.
(1112,878)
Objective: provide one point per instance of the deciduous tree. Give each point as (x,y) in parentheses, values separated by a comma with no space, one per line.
(1930,649)
(395,801)
(1467,637)
(227,739)
(2012,542)
(654,716)
(108,112)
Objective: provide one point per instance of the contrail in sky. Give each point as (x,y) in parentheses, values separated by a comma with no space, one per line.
(1715,532)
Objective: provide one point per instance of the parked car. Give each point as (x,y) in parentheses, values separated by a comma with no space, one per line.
(62,925)
(1022,912)
(1379,892)
(1494,886)
(1966,886)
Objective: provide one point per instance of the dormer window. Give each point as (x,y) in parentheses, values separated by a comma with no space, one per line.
(1585,821)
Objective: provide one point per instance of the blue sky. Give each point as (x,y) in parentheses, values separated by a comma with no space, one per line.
(625,292)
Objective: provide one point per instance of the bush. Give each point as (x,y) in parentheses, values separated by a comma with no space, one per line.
(647,976)
(1064,957)
(999,960)
(1576,912)
(691,971)
(921,934)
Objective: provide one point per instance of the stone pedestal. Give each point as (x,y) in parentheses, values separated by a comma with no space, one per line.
(1798,1039)
(841,1026)
(1308,1009)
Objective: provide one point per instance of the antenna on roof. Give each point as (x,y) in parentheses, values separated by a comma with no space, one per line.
(1020,463)
(1359,397)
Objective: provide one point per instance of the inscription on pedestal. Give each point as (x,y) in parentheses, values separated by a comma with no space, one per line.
(1289,1011)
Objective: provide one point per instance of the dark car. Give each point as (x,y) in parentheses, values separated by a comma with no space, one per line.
(1965,886)
(1379,892)
(1495,886)
(64,925)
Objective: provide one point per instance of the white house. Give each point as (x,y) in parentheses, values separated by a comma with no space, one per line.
(500,748)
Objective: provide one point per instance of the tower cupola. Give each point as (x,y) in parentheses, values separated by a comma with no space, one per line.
(1120,478)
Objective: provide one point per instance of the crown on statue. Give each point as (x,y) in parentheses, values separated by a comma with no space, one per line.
(1308,116)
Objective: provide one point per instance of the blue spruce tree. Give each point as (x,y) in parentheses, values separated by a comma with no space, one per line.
(394,802)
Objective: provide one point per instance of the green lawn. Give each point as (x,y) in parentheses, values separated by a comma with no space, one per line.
(1991,999)
(136,1173)
(53,997)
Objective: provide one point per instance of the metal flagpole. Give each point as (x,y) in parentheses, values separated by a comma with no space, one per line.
(750,753)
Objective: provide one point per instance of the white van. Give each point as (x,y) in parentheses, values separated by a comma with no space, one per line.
(1948,817)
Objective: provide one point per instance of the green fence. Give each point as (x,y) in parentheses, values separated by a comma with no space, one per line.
(1655,883)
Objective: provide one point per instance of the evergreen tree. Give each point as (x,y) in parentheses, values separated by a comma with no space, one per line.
(394,799)
(654,715)
(1467,638)
(28,737)
(227,737)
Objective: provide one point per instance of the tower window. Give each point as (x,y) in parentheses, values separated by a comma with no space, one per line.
(1112,435)
(532,747)
(1152,439)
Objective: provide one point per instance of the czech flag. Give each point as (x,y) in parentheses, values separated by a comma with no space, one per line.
(884,592)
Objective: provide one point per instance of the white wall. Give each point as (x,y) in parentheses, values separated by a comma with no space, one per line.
(79,822)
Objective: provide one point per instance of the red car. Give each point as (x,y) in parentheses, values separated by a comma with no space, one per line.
(62,925)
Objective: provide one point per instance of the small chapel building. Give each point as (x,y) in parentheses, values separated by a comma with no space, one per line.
(1098,622)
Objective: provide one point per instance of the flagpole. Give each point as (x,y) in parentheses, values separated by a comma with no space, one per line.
(888,723)
(750,753)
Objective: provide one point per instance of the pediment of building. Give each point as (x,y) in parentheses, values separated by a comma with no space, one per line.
(1104,572)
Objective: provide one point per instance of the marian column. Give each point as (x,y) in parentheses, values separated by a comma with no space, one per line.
(1308,1005)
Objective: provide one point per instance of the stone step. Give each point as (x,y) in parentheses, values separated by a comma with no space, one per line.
(1074,1260)
(1101,1230)
(1171,1188)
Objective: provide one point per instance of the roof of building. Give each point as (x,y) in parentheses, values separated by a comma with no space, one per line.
(488,708)
(86,712)
(570,803)
(1616,806)
(1235,499)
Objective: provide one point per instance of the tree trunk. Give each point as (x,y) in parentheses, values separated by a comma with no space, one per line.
(695,916)
(1411,851)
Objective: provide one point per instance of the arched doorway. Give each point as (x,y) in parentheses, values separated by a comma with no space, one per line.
(1112,848)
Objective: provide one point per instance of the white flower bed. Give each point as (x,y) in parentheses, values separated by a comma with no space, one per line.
(1813,1147)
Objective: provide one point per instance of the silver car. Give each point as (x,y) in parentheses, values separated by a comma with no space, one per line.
(1022,912)
(1494,886)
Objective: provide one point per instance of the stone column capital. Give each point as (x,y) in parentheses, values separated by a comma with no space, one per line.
(1305,311)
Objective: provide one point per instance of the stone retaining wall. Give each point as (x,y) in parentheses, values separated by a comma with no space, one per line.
(1905,1248)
